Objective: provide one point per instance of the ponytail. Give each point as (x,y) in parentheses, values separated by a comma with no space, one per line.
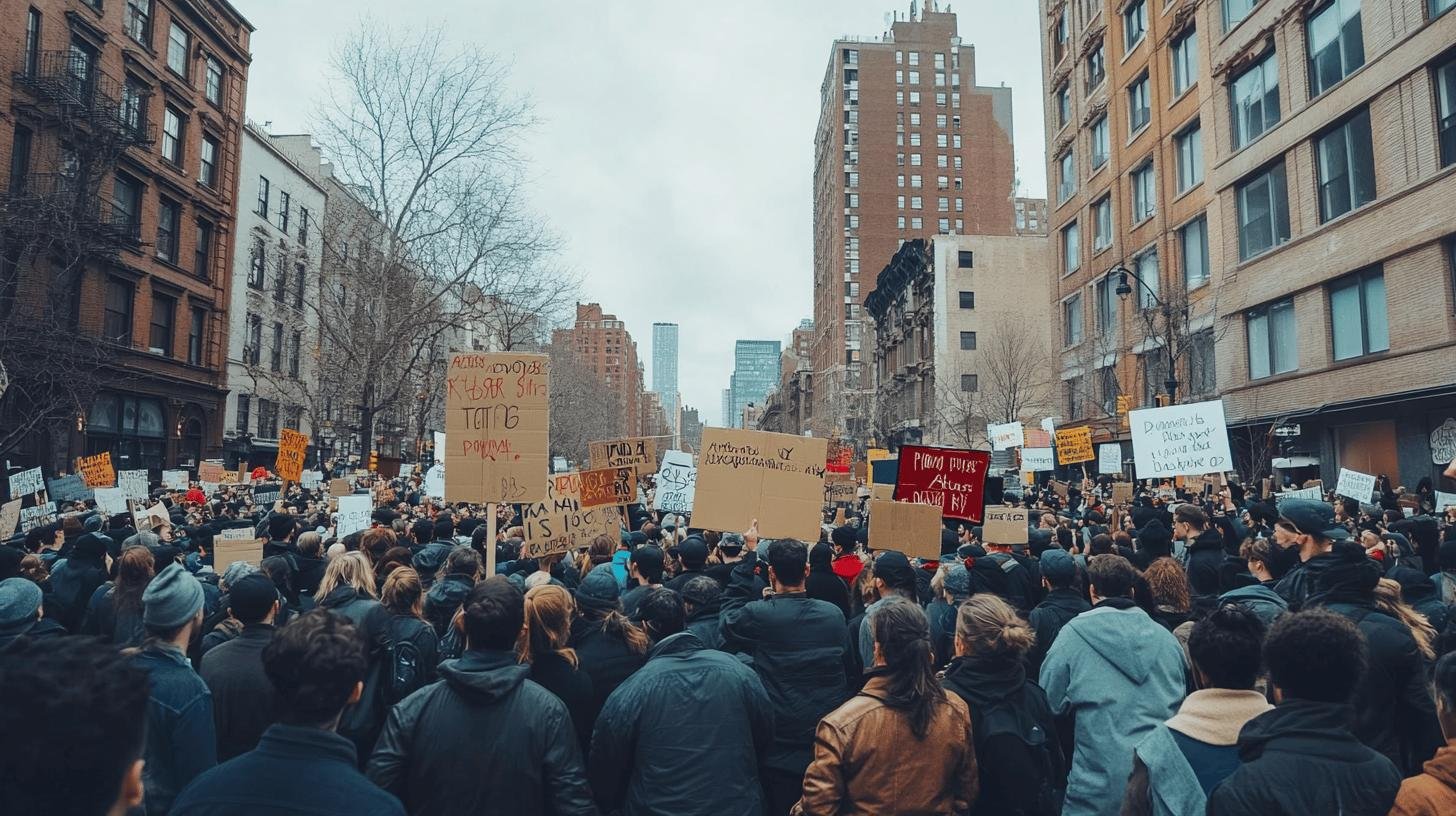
(989,627)
(903,634)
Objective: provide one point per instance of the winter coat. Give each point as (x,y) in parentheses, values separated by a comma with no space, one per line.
(1203,560)
(294,770)
(1433,793)
(122,627)
(1298,584)
(1120,674)
(1021,768)
(824,585)
(1047,620)
(573,687)
(426,644)
(799,648)
(696,755)
(181,741)
(707,624)
(484,740)
(73,582)
(608,660)
(242,694)
(1263,601)
(1299,760)
(1183,759)
(868,761)
(362,720)
(444,600)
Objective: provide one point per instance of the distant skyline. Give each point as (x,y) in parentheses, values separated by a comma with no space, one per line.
(673,152)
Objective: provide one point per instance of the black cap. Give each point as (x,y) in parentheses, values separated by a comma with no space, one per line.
(1313,518)
(894,569)
(693,552)
(648,558)
(251,596)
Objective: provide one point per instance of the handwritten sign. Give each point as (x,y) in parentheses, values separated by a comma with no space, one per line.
(111,500)
(26,482)
(677,480)
(96,470)
(340,487)
(775,478)
(70,488)
(210,472)
(38,516)
(948,478)
(235,544)
(913,529)
(292,448)
(560,523)
(1037,459)
(1315,493)
(312,479)
(1180,440)
(1006,436)
(353,515)
(1121,492)
(1074,445)
(1109,458)
(840,492)
(10,517)
(1005,525)
(840,457)
(265,494)
(134,483)
(496,421)
(1355,485)
(175,479)
(633,453)
(609,486)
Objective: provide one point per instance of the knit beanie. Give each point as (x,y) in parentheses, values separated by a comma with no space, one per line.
(172,598)
(20,599)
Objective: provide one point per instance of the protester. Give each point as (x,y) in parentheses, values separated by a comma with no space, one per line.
(1168,592)
(462,569)
(693,553)
(115,608)
(22,614)
(608,647)
(1062,603)
(242,697)
(702,604)
(348,589)
(1433,792)
(645,567)
(822,583)
(891,576)
(1204,556)
(554,665)
(1303,537)
(414,646)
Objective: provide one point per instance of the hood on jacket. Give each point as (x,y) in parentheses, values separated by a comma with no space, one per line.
(450,590)
(1315,729)
(981,682)
(1442,766)
(848,567)
(484,676)
(1210,539)
(1112,633)
(1259,599)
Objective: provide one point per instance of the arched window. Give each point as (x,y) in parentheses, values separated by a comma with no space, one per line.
(132,428)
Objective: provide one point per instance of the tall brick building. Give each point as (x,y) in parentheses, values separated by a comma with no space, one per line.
(121,127)
(604,344)
(907,146)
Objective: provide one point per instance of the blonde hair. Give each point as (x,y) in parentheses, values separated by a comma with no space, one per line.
(549,610)
(1388,600)
(350,569)
(403,594)
(987,626)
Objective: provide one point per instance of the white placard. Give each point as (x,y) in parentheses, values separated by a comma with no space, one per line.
(237,534)
(1050,426)
(1180,440)
(31,517)
(677,479)
(26,482)
(208,488)
(1444,500)
(1315,493)
(1037,459)
(1109,458)
(435,480)
(440,447)
(133,483)
(175,479)
(111,500)
(353,515)
(312,479)
(1006,436)
(1355,485)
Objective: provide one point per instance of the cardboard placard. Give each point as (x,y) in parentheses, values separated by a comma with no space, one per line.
(153,516)
(882,492)
(560,523)
(1109,458)
(210,472)
(1006,436)
(639,453)
(10,517)
(341,487)
(913,529)
(1121,492)
(861,471)
(265,493)
(135,483)
(1059,488)
(1074,445)
(1037,459)
(292,448)
(235,544)
(876,454)
(111,500)
(608,486)
(26,482)
(175,479)
(496,421)
(948,478)
(1355,485)
(775,478)
(1005,525)
(70,488)
(840,492)
(677,480)
(1180,440)
(40,515)
(96,470)
(354,514)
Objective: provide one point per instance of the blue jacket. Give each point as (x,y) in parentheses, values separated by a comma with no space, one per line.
(1263,601)
(1121,674)
(181,739)
(295,771)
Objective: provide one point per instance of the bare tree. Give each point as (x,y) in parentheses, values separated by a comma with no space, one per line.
(583,409)
(960,417)
(1016,381)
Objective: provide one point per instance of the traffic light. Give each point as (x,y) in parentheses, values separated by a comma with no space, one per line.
(1124,403)
(373,461)
(1164,400)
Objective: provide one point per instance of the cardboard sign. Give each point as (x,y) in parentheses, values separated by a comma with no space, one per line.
(135,483)
(210,472)
(1186,440)
(97,470)
(38,516)
(1007,436)
(312,479)
(9,517)
(353,515)
(775,478)
(111,500)
(235,544)
(1355,485)
(175,479)
(496,421)
(876,454)
(677,481)
(152,517)
(913,529)
(1059,488)
(1074,445)
(70,488)
(882,492)
(561,524)
(840,492)
(292,448)
(1121,492)
(1037,459)
(26,482)
(340,487)
(1005,525)
(634,453)
(1109,458)
(1444,500)
(948,478)
(609,486)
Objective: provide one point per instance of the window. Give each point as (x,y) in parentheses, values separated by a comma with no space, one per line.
(257,262)
(1263,205)
(851,200)
(965,259)
(1071,248)
(275,358)
(1102,223)
(207,162)
(132,429)
(914,159)
(1145,266)
(1068,181)
(1336,44)
(914,57)
(1072,320)
(916,182)
(1107,389)
(172,135)
(914,77)
(213,88)
(1202,375)
(300,283)
(285,207)
(116,320)
(178,44)
(942,140)
(1064,106)
(1155,372)
(294,344)
(1185,61)
(1138,111)
(899,202)
(1357,315)
(267,419)
(968,341)
(968,300)
(1446,109)
(1254,100)
(262,196)
(253,348)
(81,69)
(169,223)
(1074,397)
(164,313)
(32,42)
(917,223)
(1439,7)
(1236,10)
(20,159)
(969,383)
(1104,305)
(195,335)
(1096,67)
(280,281)
(1190,157)
(244,412)
(1134,23)
(1100,144)
(126,204)
(900,222)
(1272,341)
(138,21)
(1144,193)
(916,202)
(1059,37)
(134,105)
(1346,167)
(915,97)
(942,204)
(1193,252)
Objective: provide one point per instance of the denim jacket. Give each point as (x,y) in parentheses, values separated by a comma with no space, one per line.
(181,739)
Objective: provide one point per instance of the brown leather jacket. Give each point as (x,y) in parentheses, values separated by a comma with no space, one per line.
(867,761)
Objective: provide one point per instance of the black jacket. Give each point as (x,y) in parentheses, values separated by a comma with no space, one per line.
(444,600)
(1048,618)
(573,687)
(484,740)
(1204,559)
(1301,759)
(706,623)
(361,721)
(605,658)
(426,647)
(242,695)
(799,647)
(822,584)
(1298,584)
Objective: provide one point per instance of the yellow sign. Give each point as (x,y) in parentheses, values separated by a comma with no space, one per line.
(1074,445)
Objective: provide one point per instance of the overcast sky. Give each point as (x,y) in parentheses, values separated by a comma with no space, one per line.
(674,150)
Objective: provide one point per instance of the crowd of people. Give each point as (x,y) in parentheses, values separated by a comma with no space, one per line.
(1220,651)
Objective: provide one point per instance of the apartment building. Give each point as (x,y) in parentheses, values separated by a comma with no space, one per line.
(602,342)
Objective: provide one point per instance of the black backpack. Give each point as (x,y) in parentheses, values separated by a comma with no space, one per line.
(1002,719)
(407,671)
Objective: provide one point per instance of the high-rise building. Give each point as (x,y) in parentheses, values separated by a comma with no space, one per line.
(755,374)
(664,367)
(602,342)
(907,146)
(691,433)
(1255,191)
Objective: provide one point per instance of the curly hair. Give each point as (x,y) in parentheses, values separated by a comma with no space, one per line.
(1168,583)
(1315,655)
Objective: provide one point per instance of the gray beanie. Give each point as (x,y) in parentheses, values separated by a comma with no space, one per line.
(172,598)
(20,598)
(235,571)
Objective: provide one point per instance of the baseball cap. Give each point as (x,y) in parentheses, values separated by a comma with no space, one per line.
(894,569)
(693,551)
(1058,566)
(1313,518)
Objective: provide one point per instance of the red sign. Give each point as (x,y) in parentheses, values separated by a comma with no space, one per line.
(841,457)
(948,478)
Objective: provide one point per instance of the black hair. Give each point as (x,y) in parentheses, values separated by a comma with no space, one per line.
(1443,678)
(462,561)
(277,568)
(1192,515)
(1225,647)
(1101,544)
(314,663)
(789,559)
(1112,576)
(444,527)
(1065,538)
(1315,655)
(903,634)
(82,709)
(701,590)
(423,531)
(649,560)
(661,613)
(281,526)
(494,614)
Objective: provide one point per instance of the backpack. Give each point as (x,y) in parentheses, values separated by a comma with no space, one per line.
(406,670)
(1005,720)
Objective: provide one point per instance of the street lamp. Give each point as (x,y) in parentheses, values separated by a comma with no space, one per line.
(1124,288)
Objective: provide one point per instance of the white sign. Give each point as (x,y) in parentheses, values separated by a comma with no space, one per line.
(677,479)
(31,517)
(111,500)
(440,447)
(26,482)
(1034,459)
(1444,500)
(1007,436)
(133,483)
(1050,426)
(175,479)
(1315,493)
(1109,458)
(312,479)
(1443,442)
(1355,485)
(208,488)
(1180,440)
(237,534)
(353,515)
(435,480)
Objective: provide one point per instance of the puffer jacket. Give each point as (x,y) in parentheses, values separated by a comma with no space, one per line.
(484,740)
(1433,793)
(1264,602)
